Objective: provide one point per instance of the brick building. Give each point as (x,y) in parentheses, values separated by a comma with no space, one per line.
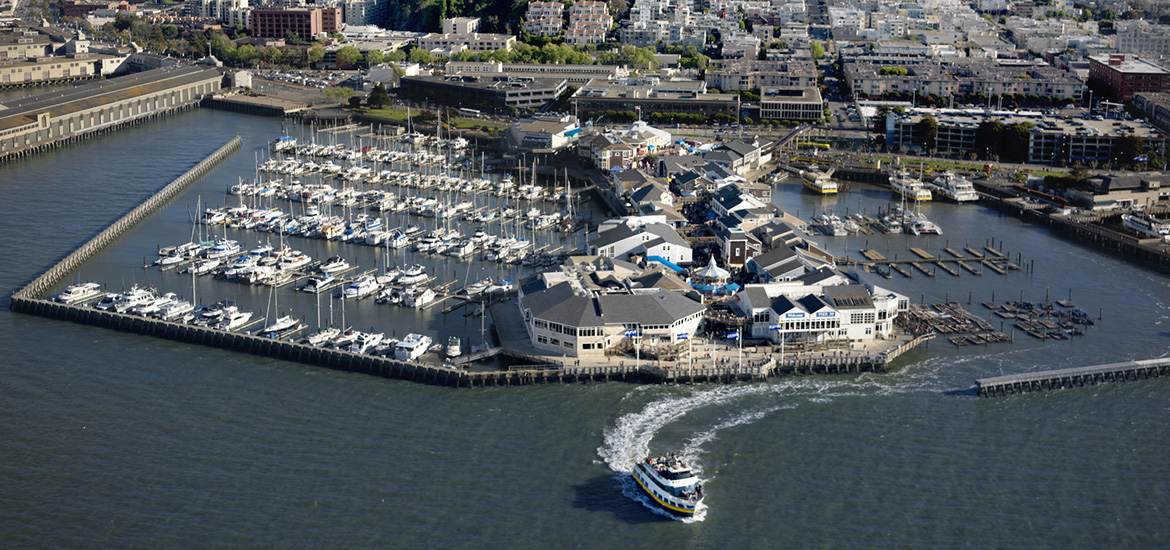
(1126,75)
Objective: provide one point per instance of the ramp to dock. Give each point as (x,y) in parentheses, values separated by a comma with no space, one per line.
(1074,377)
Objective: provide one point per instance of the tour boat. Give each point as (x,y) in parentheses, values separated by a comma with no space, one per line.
(954,187)
(909,186)
(79,293)
(670,484)
(819,182)
(1147,225)
(453,348)
(412,347)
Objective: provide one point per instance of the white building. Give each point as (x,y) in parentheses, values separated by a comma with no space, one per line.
(651,239)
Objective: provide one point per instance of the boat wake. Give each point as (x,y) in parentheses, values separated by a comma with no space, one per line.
(627,439)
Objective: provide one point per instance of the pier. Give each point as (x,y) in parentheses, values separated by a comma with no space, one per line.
(1072,378)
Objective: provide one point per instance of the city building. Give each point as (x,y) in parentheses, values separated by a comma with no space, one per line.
(622,240)
(545,133)
(1156,107)
(230,12)
(497,95)
(461,25)
(452,43)
(21,44)
(63,114)
(801,104)
(307,23)
(1141,36)
(544,18)
(606,96)
(365,12)
(1125,75)
(1052,140)
(572,73)
(740,75)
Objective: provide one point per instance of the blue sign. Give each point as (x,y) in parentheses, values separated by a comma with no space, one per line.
(825,314)
(631,332)
(1141,158)
(733,335)
(683,336)
(794,314)
(775,327)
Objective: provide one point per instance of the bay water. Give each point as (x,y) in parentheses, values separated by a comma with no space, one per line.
(117,440)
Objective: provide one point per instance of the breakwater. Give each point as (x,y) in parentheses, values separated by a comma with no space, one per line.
(38,286)
(1073,378)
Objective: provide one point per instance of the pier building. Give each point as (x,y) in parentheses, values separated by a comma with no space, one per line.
(587,308)
(44,120)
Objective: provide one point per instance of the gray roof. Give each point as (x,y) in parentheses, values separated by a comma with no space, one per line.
(757,296)
(820,274)
(849,297)
(655,308)
(774,257)
(558,304)
(616,234)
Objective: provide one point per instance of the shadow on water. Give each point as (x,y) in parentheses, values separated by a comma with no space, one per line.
(604,494)
(972,392)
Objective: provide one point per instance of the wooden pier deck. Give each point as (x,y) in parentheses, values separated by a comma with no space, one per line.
(1074,377)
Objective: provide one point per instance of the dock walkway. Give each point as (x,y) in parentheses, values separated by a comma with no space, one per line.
(1074,377)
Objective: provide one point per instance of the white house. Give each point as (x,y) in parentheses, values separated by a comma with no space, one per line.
(652,239)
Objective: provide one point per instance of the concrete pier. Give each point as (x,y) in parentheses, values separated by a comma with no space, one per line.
(1073,378)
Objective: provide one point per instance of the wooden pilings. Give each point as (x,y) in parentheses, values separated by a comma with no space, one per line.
(1074,377)
(55,274)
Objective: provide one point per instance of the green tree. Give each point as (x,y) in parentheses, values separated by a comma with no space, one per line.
(379,96)
(420,56)
(316,54)
(338,93)
(374,57)
(818,51)
(927,131)
(896,71)
(348,56)
(245,54)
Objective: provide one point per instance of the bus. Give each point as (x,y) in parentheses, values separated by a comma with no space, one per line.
(470,113)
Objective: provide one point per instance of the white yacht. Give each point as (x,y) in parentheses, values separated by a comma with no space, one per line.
(1147,225)
(79,293)
(366,342)
(233,318)
(413,275)
(954,187)
(134,298)
(223,248)
(322,336)
(360,288)
(412,347)
(334,264)
(280,325)
(318,284)
(453,347)
(418,297)
(909,186)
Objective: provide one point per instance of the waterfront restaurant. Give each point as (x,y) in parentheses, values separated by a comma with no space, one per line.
(823,305)
(585,309)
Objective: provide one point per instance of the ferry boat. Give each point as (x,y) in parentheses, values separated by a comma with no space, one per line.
(909,186)
(670,484)
(79,293)
(819,182)
(412,347)
(1147,225)
(954,187)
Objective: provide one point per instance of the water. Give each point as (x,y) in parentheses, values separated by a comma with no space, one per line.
(117,440)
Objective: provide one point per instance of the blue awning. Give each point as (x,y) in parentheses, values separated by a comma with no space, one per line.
(573,132)
(666,263)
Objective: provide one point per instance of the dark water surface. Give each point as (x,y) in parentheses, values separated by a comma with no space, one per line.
(116,440)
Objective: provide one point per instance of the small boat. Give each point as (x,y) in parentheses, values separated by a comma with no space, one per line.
(322,336)
(233,318)
(453,348)
(134,298)
(479,286)
(318,284)
(360,288)
(79,293)
(419,297)
(223,248)
(670,484)
(365,342)
(334,264)
(280,325)
(414,274)
(412,347)
(924,227)
(203,267)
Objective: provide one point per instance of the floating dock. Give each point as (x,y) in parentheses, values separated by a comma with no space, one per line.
(1073,378)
